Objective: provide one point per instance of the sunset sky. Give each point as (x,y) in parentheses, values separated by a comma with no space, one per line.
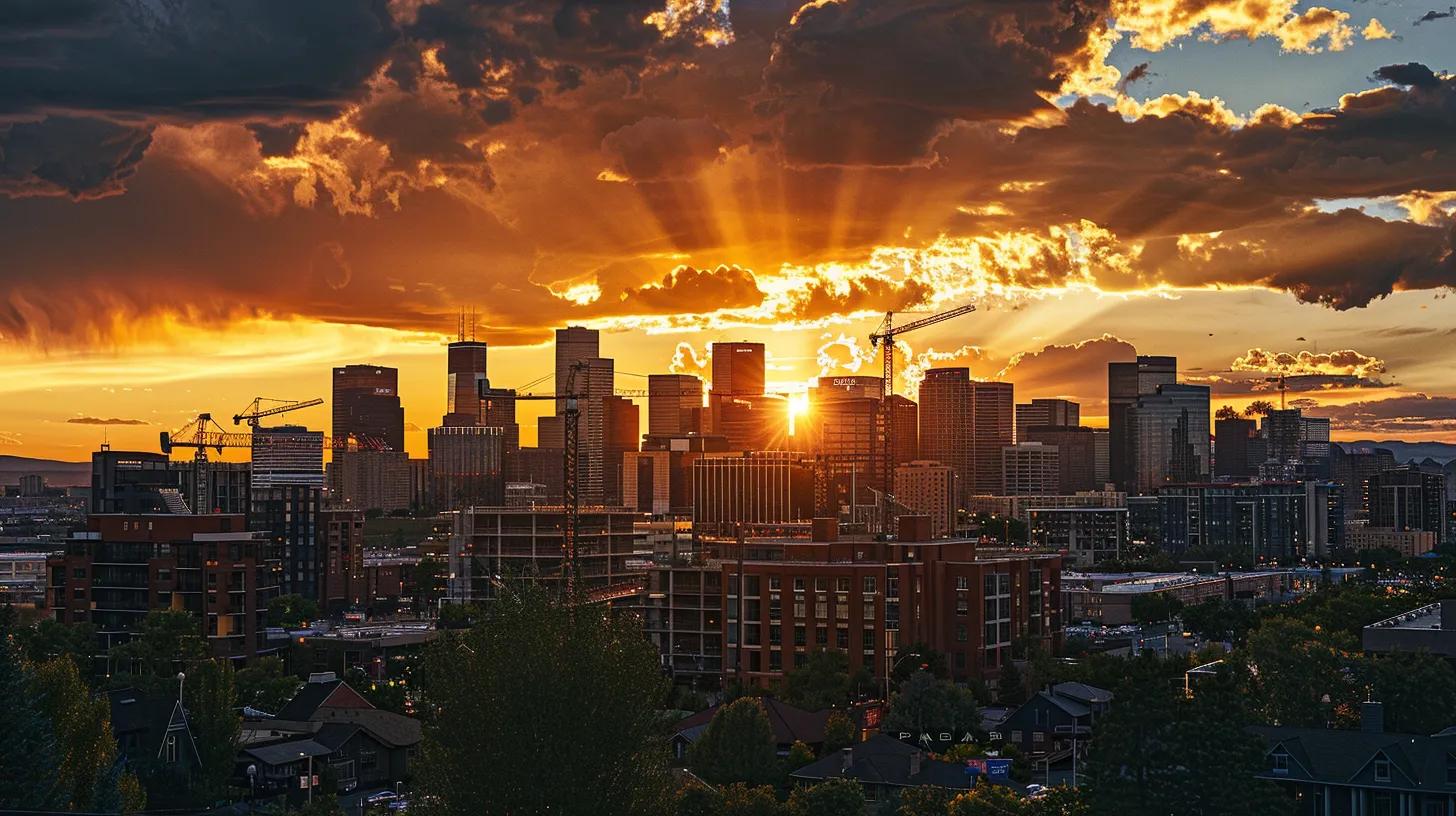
(205,202)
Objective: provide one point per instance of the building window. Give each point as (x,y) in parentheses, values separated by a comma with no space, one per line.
(799,610)
(775,636)
(1451,769)
(1281,762)
(169,749)
(841,585)
(821,636)
(821,584)
(869,583)
(1382,769)
(367,760)
(962,582)
(774,582)
(798,584)
(960,633)
(775,661)
(821,610)
(800,637)
(841,638)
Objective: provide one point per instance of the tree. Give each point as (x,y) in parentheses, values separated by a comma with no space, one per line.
(210,695)
(832,797)
(1226,412)
(799,756)
(1258,408)
(266,685)
(1418,690)
(429,582)
(165,642)
(1155,607)
(986,799)
(698,800)
(1301,679)
(292,611)
(1058,801)
(1157,751)
(737,746)
(923,800)
(540,685)
(1219,619)
(81,723)
(28,752)
(918,656)
(748,800)
(822,682)
(923,703)
(51,638)
(839,732)
(1010,687)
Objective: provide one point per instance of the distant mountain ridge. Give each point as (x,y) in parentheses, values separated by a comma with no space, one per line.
(1442,452)
(56,472)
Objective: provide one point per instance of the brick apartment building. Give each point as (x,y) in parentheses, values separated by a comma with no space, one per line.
(866,598)
(124,565)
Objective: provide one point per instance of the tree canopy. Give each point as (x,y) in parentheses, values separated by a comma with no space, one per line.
(737,746)
(544,707)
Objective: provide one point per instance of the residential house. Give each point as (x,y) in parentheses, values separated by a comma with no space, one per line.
(330,731)
(790,725)
(155,742)
(1364,772)
(1054,724)
(885,766)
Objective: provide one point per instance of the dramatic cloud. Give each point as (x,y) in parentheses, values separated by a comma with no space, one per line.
(1346,362)
(1077,371)
(869,83)
(1416,413)
(1376,30)
(66,155)
(89,420)
(657,148)
(1156,24)
(1433,15)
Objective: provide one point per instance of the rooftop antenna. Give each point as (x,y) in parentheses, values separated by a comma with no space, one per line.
(472,324)
(460,326)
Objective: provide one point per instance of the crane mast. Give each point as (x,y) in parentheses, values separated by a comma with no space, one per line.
(884,337)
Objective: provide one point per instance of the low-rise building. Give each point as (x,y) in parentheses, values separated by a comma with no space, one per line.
(23,578)
(1409,543)
(1107,598)
(1430,628)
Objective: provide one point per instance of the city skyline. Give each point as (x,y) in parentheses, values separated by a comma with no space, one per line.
(1258,189)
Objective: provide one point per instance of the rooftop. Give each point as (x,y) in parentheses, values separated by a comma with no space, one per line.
(1426,617)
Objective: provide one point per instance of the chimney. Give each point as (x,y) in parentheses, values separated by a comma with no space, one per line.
(914,764)
(1372,718)
(846,756)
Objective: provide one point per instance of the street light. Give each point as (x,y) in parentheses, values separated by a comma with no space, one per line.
(252,785)
(309,778)
(890,669)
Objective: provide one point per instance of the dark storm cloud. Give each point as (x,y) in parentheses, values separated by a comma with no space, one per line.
(1411,73)
(862,82)
(203,59)
(1403,414)
(1433,15)
(1076,370)
(686,289)
(90,420)
(658,148)
(65,155)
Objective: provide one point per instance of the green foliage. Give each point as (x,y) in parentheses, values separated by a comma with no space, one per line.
(822,682)
(998,527)
(460,616)
(1155,607)
(923,800)
(1010,686)
(1058,801)
(28,753)
(1219,619)
(746,800)
(50,638)
(737,746)
(698,800)
(131,793)
(1158,751)
(1417,690)
(832,797)
(923,703)
(266,685)
(210,695)
(429,582)
(292,611)
(1301,679)
(799,756)
(82,727)
(913,657)
(322,804)
(839,732)
(389,695)
(165,642)
(539,690)
(960,752)
(986,799)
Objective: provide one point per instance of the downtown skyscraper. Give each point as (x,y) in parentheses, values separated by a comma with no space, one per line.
(965,424)
(1126,381)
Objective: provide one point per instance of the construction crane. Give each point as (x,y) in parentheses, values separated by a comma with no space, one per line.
(262,407)
(884,338)
(204,433)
